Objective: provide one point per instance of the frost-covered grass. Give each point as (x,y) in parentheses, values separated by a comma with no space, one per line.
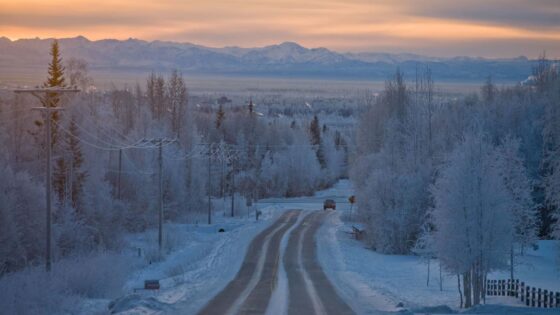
(96,276)
(196,260)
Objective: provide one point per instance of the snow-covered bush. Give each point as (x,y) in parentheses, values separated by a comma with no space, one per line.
(95,275)
(33,291)
(22,220)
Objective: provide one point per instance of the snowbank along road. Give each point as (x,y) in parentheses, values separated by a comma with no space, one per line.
(309,290)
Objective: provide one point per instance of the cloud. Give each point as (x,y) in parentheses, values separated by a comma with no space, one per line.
(531,14)
(490,27)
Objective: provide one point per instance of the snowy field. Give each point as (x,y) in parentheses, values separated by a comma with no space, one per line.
(371,281)
(200,261)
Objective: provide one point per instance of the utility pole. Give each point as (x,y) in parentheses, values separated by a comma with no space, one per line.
(43,95)
(209,183)
(232,187)
(223,182)
(160,174)
(119,176)
(48,111)
(160,142)
(70,181)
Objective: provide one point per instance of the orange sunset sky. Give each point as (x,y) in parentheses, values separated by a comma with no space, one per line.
(490,28)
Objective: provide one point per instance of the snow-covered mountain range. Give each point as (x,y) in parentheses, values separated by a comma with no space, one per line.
(287,59)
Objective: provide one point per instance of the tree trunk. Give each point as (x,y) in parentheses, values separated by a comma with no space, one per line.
(467,288)
(440,278)
(476,285)
(511,262)
(428,279)
(460,293)
(484,287)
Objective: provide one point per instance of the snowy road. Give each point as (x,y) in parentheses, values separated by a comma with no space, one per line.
(309,290)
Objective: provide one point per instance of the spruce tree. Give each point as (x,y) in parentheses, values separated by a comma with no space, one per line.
(251,107)
(55,79)
(315,132)
(78,175)
(220,115)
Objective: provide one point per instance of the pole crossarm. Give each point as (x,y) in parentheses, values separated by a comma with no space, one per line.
(48,90)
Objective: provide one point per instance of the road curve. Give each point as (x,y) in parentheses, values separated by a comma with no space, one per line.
(250,290)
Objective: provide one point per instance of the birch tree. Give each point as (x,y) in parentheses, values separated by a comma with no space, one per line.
(472,214)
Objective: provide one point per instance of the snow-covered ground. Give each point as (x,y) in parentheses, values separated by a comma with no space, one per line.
(370,281)
(201,262)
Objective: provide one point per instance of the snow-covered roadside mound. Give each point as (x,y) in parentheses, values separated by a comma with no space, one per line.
(350,271)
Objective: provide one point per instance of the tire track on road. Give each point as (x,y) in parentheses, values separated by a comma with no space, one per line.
(258,269)
(309,289)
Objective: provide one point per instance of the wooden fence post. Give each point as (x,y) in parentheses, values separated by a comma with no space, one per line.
(530,296)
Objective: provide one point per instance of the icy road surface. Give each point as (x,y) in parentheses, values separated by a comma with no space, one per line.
(309,290)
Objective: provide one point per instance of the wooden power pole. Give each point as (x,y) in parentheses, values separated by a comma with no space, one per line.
(160,142)
(43,94)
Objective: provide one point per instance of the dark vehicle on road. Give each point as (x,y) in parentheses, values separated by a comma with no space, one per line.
(329,204)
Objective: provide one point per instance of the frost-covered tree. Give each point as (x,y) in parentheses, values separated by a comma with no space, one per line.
(472,214)
(78,73)
(519,186)
(178,101)
(393,171)
(156,96)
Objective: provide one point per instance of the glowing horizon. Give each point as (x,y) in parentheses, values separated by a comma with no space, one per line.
(497,28)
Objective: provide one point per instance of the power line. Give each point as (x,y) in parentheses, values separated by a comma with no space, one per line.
(107,131)
(85,141)
(138,170)
(94,137)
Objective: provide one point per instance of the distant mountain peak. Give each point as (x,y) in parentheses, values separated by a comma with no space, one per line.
(81,38)
(284,59)
(290,44)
